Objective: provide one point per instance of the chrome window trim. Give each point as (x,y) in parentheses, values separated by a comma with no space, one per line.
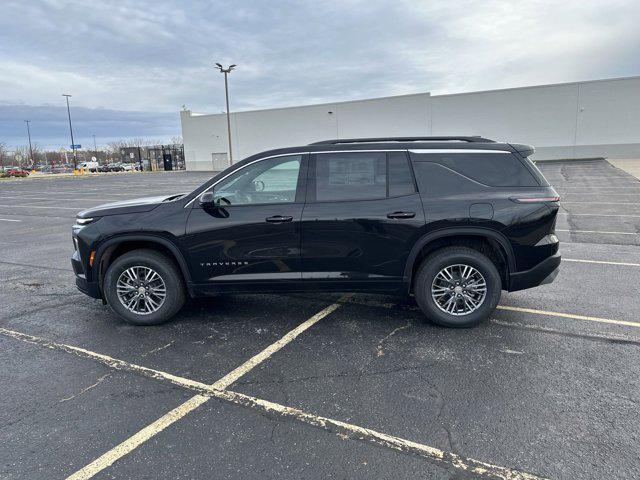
(453,150)
(237,170)
(417,150)
(288,155)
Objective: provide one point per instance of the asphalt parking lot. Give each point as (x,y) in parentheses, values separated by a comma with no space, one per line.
(321,386)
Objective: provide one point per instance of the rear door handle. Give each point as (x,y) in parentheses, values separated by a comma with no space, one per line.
(278,219)
(401,215)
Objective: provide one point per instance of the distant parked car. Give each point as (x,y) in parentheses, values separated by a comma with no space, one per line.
(17,172)
(115,167)
(91,166)
(128,167)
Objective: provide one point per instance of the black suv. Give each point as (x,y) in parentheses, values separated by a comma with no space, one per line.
(451,220)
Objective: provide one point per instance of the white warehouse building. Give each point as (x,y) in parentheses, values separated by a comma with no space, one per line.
(588,119)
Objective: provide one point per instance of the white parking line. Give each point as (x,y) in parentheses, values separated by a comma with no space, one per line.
(51,198)
(603,203)
(602,262)
(541,328)
(603,194)
(625,323)
(597,231)
(9,220)
(177,413)
(597,215)
(343,429)
(77,209)
(613,187)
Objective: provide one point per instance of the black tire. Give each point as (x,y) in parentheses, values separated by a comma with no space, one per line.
(446,257)
(165,268)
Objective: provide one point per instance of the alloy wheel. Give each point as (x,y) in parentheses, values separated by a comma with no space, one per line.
(141,290)
(459,289)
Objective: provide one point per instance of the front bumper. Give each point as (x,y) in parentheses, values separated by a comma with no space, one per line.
(543,273)
(88,288)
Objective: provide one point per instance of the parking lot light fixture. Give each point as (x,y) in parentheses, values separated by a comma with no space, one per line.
(226,72)
(73,144)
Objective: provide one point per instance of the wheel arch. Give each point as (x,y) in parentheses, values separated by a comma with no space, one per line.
(112,248)
(439,238)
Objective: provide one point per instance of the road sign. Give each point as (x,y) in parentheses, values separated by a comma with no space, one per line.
(75,146)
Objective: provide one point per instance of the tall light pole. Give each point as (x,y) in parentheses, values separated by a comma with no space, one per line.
(226,72)
(30,148)
(95,148)
(73,144)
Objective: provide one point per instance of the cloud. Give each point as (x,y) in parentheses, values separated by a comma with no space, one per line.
(154,56)
(50,125)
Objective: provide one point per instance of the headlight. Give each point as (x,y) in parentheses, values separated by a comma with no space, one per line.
(84,221)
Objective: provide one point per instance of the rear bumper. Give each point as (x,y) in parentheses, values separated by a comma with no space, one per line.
(543,273)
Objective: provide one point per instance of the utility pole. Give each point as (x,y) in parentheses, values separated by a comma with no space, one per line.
(73,144)
(30,148)
(95,148)
(226,72)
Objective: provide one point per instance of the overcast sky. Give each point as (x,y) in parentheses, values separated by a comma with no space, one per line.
(131,65)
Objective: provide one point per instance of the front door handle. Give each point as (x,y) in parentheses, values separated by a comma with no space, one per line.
(278,219)
(401,215)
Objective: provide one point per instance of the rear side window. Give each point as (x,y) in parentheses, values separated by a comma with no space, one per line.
(351,176)
(536,172)
(493,169)
(362,176)
(435,180)
(400,177)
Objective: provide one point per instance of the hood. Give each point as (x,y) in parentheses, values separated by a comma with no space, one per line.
(136,205)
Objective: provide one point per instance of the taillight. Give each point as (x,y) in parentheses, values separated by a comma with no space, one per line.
(535,199)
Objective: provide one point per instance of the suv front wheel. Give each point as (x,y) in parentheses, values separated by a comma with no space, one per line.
(457,287)
(144,287)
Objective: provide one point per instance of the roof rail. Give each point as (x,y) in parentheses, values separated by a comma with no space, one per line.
(337,141)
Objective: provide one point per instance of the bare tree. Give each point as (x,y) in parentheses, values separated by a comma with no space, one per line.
(35,153)
(117,145)
(140,142)
(4,149)
(23,151)
(176,140)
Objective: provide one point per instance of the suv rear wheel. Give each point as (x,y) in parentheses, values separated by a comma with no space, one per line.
(457,287)
(144,287)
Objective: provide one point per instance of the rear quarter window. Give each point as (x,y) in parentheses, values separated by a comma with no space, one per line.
(492,169)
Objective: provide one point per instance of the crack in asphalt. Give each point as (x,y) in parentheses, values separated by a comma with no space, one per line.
(379,347)
(86,389)
(356,373)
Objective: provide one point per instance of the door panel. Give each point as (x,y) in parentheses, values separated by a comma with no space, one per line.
(237,243)
(250,232)
(358,243)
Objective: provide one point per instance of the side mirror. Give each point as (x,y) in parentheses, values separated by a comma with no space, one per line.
(206,198)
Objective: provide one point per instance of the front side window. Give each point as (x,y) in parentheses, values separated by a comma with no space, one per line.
(268,181)
(351,176)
